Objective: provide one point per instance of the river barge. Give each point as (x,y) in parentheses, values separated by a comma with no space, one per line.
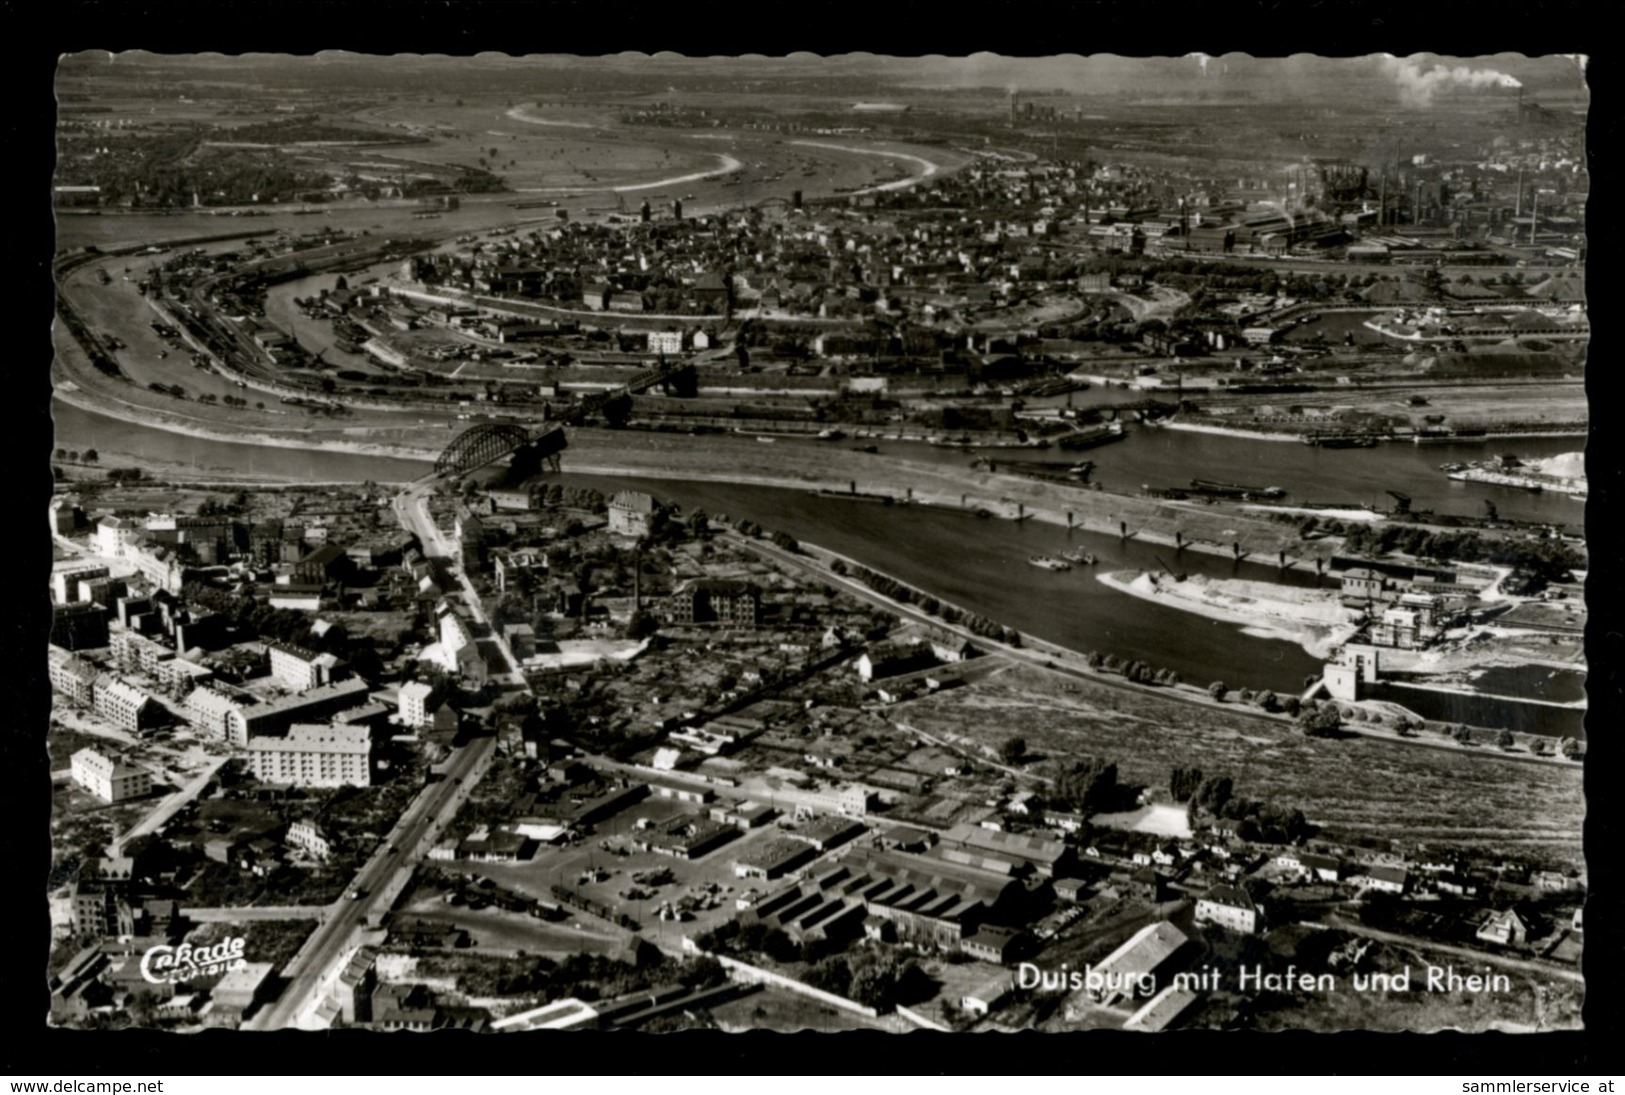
(1236,489)
(1088,439)
(1340,441)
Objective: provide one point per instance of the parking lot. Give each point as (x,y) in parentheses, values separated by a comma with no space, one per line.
(607,868)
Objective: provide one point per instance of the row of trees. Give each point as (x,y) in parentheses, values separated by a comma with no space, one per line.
(782,540)
(890,587)
(1264,699)
(1135,670)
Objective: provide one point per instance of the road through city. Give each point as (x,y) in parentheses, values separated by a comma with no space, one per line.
(333,940)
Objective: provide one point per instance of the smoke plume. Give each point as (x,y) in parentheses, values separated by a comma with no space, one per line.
(1417,85)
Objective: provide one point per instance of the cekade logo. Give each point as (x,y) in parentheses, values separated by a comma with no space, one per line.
(172,965)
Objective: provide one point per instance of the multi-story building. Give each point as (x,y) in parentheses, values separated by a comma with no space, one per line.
(65,514)
(457,652)
(354,986)
(158,563)
(65,583)
(114,535)
(414,697)
(325,564)
(135,613)
(262,720)
(665,342)
(132,651)
(853,800)
(182,673)
(519,570)
(1229,907)
(723,601)
(308,835)
(123,704)
(98,908)
(244,724)
(314,756)
(211,711)
(1398,627)
(631,513)
(72,676)
(104,591)
(237,994)
(299,669)
(79,626)
(108,779)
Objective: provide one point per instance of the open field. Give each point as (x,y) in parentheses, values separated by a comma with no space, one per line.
(1351,787)
(775,1009)
(1534,1003)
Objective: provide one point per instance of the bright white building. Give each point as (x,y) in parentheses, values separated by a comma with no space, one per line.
(108,779)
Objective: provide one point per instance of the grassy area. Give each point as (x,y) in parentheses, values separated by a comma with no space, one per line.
(1528,1003)
(773,1009)
(1355,787)
(586,977)
(63,742)
(273,941)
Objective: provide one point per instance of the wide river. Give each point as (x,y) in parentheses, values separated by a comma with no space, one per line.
(981,564)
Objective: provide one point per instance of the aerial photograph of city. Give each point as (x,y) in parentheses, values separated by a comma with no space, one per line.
(856,542)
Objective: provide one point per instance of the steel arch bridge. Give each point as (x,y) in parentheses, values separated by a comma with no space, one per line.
(487,443)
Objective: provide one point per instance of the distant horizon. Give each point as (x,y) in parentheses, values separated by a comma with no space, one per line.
(1412,81)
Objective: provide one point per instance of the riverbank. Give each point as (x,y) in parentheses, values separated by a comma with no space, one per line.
(1215,530)
(1311,618)
(197,428)
(1227,431)
(1067,663)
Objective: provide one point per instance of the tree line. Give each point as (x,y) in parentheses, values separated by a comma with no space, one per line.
(1549,560)
(887,586)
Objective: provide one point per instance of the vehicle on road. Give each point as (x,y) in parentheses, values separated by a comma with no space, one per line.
(356,895)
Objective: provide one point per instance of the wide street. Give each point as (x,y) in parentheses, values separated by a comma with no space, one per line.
(174,802)
(399,852)
(412,510)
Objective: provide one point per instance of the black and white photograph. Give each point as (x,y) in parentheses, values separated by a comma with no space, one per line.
(817,542)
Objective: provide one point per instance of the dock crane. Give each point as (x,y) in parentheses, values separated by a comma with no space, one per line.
(1402,503)
(1178,576)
